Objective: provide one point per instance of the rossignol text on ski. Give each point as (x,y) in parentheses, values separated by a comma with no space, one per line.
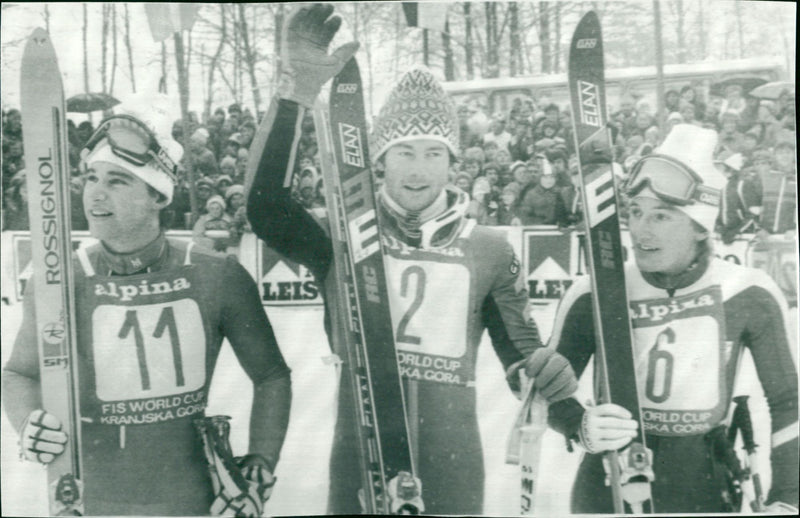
(45,136)
(630,470)
(389,485)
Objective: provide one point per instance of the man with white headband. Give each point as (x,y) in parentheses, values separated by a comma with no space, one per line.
(448,278)
(692,316)
(152,314)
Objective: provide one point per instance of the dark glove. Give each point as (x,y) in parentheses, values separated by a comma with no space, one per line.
(552,374)
(305,62)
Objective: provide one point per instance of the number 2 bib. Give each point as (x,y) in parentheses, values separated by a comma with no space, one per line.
(680,362)
(431,345)
(145,341)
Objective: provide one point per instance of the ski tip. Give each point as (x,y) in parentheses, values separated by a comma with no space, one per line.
(589,26)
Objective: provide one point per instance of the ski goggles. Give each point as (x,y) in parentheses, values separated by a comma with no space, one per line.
(132,141)
(670,180)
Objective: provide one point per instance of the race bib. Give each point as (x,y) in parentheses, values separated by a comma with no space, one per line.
(430,308)
(151,350)
(680,362)
(149,362)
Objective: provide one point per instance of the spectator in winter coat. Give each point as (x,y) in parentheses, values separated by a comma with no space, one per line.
(521,144)
(541,203)
(212,229)
(222,183)
(204,188)
(203,160)
(241,165)
(234,198)
(490,149)
(671,100)
(729,136)
(571,196)
(472,167)
(779,199)
(498,133)
(741,201)
(521,173)
(508,201)
(689,94)
(464,182)
(227,166)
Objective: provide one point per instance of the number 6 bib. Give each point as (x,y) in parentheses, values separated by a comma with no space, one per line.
(680,362)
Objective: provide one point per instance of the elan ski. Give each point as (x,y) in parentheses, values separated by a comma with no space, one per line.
(629,470)
(45,141)
(389,473)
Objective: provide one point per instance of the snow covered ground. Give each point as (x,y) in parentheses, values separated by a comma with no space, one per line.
(303,469)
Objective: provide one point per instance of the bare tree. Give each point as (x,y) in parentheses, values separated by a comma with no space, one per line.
(214,62)
(678,11)
(701,31)
(104,48)
(544,36)
(515,65)
(127,40)
(249,56)
(85,49)
(113,13)
(737,6)
(468,45)
(449,64)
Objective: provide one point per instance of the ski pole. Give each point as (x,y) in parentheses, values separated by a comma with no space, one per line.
(741,416)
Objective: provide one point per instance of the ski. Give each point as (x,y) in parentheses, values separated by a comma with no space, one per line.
(48,182)
(524,447)
(389,485)
(629,470)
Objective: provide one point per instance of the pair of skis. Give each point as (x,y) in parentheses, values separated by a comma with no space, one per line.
(48,181)
(389,481)
(629,471)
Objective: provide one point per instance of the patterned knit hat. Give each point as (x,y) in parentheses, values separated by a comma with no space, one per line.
(417,108)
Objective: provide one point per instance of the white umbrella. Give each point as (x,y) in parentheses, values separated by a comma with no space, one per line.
(772,90)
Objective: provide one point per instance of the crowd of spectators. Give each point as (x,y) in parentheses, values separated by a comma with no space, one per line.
(519,167)
(218,153)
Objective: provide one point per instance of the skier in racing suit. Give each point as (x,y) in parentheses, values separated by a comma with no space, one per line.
(448,279)
(692,316)
(151,317)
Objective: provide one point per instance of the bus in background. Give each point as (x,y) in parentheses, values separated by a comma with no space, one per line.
(498,94)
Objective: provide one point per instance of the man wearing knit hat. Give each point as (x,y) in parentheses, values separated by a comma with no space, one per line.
(692,316)
(151,317)
(448,278)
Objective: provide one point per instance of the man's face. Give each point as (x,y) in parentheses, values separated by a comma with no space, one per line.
(228,169)
(416,172)
(762,166)
(215,210)
(118,205)
(463,184)
(626,107)
(523,175)
(547,181)
(247,134)
(472,168)
(664,239)
(551,115)
(503,157)
(236,200)
(492,175)
(506,176)
(643,121)
(490,152)
(204,192)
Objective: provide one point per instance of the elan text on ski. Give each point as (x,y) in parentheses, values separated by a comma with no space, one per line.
(448,279)
(152,314)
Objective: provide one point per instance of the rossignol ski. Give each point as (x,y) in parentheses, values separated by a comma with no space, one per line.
(629,470)
(45,140)
(389,473)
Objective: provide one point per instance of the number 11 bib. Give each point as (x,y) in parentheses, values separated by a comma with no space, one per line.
(144,348)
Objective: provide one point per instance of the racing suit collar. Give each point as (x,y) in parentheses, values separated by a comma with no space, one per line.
(136,261)
(672,282)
